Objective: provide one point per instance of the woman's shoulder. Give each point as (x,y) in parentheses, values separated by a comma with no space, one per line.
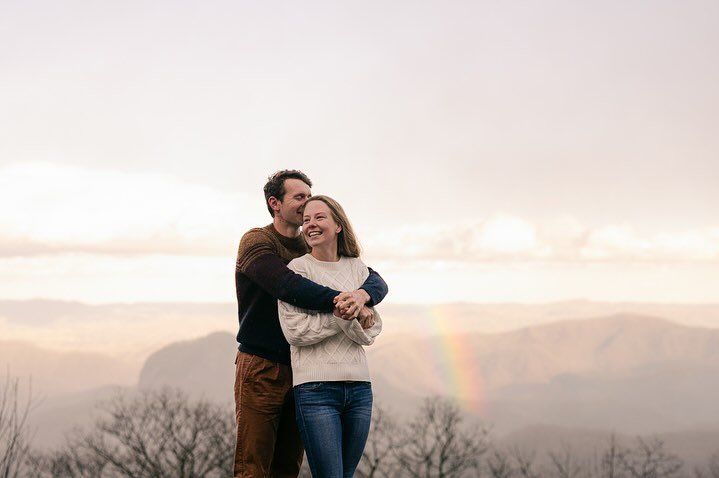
(352,260)
(355,263)
(299,263)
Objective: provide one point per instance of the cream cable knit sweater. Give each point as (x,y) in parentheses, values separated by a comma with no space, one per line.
(324,347)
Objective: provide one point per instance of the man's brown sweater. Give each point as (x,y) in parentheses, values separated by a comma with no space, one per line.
(262,277)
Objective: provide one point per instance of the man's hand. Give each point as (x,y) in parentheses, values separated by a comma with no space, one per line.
(366,317)
(349,304)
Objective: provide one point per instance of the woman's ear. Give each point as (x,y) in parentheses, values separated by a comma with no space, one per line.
(339,229)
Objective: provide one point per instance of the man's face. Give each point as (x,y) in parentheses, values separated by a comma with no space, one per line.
(289,207)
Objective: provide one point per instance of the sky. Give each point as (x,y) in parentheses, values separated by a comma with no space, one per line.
(486,151)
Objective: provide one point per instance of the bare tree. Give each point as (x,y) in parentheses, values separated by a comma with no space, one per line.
(379,459)
(610,462)
(649,459)
(439,446)
(14,432)
(156,433)
(499,465)
(525,463)
(646,459)
(565,464)
(514,462)
(711,470)
(75,460)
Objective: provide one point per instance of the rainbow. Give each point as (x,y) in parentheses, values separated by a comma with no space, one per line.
(454,362)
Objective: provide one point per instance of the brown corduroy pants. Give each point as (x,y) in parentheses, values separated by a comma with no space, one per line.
(268,442)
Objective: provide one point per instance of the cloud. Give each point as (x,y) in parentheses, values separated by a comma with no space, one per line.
(54,209)
(509,238)
(51,209)
(623,242)
(102,278)
(500,237)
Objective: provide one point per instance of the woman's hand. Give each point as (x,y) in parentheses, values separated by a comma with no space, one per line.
(349,304)
(366,317)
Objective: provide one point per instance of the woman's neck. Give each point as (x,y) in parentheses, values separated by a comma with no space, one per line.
(326,254)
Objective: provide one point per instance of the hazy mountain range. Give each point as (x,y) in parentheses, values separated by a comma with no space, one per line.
(131,332)
(625,372)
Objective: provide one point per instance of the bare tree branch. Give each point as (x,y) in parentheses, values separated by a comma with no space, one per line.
(439,446)
(157,433)
(649,459)
(386,437)
(14,432)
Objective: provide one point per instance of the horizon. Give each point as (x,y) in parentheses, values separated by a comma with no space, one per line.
(388,301)
(133,331)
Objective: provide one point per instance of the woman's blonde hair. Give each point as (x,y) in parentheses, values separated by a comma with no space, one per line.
(347,243)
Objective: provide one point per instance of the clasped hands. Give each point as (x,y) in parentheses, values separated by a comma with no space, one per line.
(351,305)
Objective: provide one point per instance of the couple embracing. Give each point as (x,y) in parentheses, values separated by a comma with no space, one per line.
(305,311)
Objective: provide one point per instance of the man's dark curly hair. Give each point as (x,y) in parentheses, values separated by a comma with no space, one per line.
(275,185)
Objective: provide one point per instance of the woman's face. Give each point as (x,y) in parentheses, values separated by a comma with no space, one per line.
(318,225)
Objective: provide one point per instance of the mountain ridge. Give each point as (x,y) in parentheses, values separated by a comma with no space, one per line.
(629,373)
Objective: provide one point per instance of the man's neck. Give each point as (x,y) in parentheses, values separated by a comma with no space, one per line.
(285,228)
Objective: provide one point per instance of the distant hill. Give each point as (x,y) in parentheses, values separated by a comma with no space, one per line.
(57,415)
(202,367)
(54,372)
(628,373)
(610,346)
(126,331)
(132,331)
(625,372)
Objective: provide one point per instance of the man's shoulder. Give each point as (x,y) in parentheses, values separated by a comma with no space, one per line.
(258,236)
(257,240)
(263,231)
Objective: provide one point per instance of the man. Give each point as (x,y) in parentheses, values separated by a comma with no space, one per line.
(268,442)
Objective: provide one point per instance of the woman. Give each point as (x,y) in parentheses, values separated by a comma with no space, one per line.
(333,395)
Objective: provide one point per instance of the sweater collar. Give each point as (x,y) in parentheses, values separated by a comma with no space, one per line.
(294,243)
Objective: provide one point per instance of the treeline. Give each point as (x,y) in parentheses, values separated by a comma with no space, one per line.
(163,433)
(439,442)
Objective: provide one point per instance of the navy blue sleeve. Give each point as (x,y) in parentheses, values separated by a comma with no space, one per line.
(376,287)
(271,274)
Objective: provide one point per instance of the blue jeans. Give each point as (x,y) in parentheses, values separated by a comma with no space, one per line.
(334,420)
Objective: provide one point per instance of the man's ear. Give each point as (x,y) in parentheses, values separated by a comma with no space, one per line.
(274,203)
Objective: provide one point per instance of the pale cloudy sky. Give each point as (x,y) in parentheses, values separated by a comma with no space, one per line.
(486,151)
